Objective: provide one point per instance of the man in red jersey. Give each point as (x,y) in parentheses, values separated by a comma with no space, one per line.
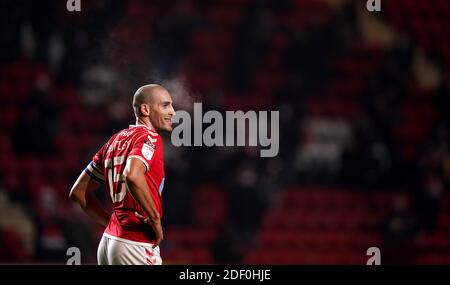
(131,164)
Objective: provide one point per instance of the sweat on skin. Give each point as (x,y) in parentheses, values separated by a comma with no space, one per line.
(216,134)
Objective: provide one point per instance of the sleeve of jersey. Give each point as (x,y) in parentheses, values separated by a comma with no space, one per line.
(95,168)
(144,149)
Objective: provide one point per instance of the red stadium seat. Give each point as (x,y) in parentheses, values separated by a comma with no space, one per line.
(209,205)
(13,247)
(250,101)
(191,237)
(187,256)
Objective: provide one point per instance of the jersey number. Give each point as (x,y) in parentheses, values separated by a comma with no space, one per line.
(112,166)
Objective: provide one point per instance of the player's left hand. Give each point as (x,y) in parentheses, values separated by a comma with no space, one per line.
(155,225)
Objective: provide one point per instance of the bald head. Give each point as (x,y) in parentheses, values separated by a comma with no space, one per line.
(146,95)
(152,106)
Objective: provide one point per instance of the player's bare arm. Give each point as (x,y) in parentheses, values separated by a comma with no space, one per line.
(138,187)
(81,193)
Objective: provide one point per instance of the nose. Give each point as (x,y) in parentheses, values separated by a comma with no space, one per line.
(172,111)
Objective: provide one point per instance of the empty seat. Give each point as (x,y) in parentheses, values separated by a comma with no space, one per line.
(210,206)
(191,237)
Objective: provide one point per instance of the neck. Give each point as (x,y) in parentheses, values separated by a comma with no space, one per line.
(145,122)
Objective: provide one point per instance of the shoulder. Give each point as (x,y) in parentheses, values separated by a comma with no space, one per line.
(113,138)
(153,135)
(151,138)
(147,137)
(109,141)
(147,134)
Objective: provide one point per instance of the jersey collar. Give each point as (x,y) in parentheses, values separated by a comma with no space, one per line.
(136,126)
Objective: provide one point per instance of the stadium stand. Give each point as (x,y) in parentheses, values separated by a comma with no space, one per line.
(364,156)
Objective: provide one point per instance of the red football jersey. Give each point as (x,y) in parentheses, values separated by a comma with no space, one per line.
(108,165)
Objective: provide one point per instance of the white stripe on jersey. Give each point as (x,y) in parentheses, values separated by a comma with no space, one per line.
(94,171)
(140,158)
(152,139)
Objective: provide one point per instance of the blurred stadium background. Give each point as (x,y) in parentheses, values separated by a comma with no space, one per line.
(364,136)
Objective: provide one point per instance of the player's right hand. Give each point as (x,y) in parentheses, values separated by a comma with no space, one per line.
(156,225)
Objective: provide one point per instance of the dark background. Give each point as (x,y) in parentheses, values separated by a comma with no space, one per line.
(363,99)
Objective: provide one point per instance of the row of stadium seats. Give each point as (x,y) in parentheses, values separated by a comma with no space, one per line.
(304,257)
(333,238)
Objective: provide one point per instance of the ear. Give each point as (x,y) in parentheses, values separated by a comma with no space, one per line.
(145,109)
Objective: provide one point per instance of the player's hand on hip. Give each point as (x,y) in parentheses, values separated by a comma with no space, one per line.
(156,225)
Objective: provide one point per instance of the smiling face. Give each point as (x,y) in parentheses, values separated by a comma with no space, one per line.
(161,110)
(153,107)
